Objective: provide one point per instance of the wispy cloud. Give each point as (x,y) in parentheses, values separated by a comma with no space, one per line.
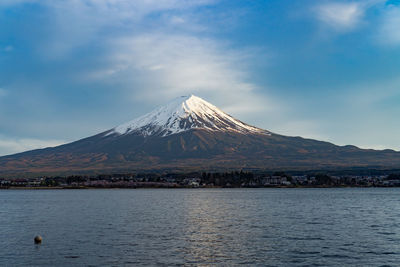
(77,23)
(389,32)
(147,52)
(172,65)
(340,16)
(165,63)
(10,146)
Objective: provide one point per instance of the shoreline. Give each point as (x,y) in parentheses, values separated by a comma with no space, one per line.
(181,187)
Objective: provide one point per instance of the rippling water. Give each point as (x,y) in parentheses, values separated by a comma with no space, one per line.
(269,227)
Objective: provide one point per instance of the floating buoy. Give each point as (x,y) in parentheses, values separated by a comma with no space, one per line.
(38,239)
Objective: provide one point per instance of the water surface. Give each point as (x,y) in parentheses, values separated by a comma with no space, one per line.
(268,227)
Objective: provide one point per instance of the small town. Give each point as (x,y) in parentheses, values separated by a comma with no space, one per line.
(202,180)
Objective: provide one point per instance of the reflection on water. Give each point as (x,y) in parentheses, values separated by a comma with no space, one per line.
(218,229)
(206,228)
(275,227)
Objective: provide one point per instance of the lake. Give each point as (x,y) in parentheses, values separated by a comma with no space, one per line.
(268,227)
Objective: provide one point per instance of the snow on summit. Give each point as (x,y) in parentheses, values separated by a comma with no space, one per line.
(182,114)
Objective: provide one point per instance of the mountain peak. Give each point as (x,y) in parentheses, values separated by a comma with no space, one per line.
(182,114)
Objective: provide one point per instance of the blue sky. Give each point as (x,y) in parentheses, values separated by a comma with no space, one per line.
(328,70)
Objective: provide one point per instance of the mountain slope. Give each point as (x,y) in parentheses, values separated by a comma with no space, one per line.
(191,134)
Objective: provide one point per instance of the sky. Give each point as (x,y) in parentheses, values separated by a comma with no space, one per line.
(328,70)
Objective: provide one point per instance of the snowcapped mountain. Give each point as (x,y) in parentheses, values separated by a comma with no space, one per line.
(191,134)
(182,114)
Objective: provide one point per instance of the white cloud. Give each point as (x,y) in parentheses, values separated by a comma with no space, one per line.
(150,60)
(76,23)
(389,33)
(177,20)
(10,146)
(340,16)
(158,61)
(114,5)
(172,65)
